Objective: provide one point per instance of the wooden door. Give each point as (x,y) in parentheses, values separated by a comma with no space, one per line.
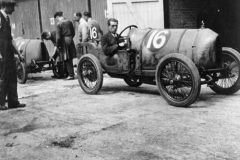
(25,20)
(99,10)
(69,7)
(143,13)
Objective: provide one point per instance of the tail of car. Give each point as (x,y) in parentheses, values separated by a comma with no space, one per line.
(200,45)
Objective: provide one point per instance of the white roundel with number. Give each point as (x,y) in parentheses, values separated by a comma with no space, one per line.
(156,39)
(19,45)
(93,33)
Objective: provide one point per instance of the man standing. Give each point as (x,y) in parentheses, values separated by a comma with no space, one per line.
(109,40)
(64,41)
(83,33)
(95,31)
(82,27)
(8,72)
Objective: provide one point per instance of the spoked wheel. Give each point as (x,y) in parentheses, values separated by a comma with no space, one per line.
(178,80)
(230,80)
(59,69)
(21,72)
(90,75)
(133,82)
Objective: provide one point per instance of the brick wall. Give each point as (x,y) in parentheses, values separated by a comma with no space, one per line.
(183,13)
(222,16)
(230,24)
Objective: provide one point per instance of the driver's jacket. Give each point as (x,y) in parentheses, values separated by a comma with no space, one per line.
(109,44)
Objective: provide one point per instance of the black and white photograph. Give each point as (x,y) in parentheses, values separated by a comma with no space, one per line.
(119,79)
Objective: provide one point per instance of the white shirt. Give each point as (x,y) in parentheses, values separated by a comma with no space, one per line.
(5,15)
(83,30)
(83,21)
(114,35)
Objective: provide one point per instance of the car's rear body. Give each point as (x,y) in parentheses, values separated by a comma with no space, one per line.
(202,46)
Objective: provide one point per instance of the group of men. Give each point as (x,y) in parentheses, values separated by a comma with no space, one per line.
(88,28)
(62,39)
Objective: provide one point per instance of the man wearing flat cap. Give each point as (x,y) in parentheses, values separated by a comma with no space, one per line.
(8,73)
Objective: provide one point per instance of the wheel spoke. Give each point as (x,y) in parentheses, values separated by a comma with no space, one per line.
(176,80)
(88,74)
(233,70)
(19,70)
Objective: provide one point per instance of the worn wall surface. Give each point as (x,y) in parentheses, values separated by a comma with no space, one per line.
(141,13)
(26,22)
(230,23)
(183,13)
(178,13)
(220,15)
(25,19)
(98,9)
(69,7)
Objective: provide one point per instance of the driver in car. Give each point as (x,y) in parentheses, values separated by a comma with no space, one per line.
(110,41)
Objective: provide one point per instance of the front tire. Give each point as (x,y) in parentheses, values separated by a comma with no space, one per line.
(230,84)
(178,80)
(90,75)
(22,74)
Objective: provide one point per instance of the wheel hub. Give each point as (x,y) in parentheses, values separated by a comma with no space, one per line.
(176,78)
(89,74)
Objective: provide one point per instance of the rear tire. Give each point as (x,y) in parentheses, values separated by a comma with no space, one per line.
(178,80)
(59,70)
(22,74)
(231,85)
(90,75)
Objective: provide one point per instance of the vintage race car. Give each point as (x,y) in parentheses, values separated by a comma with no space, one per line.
(178,61)
(36,59)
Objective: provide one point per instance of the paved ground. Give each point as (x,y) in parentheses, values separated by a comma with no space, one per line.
(61,122)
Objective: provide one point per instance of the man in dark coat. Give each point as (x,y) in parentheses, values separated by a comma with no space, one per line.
(64,41)
(8,73)
(109,40)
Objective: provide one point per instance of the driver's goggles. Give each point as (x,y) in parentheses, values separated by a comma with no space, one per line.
(114,26)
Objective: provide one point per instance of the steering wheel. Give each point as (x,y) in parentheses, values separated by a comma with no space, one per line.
(120,35)
(131,26)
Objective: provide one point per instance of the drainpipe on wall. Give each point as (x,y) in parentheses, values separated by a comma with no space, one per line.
(89,7)
(40,16)
(166,13)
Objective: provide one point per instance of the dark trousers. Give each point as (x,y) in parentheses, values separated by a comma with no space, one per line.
(8,74)
(8,82)
(69,64)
